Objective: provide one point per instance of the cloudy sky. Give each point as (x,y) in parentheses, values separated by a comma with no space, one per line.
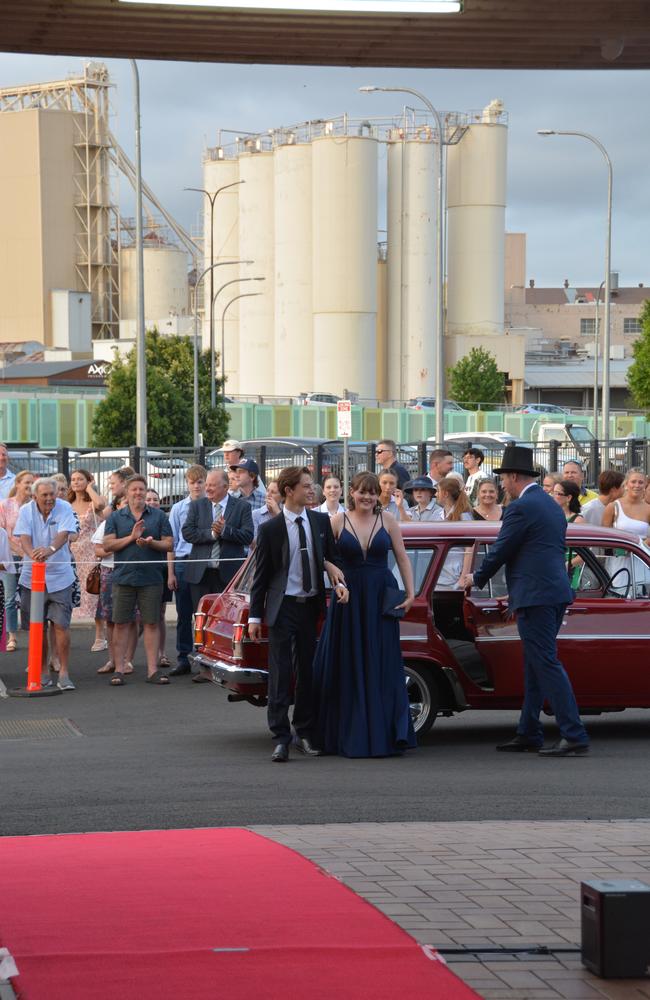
(557,186)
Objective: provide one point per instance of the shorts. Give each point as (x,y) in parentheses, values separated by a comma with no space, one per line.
(58,605)
(148,599)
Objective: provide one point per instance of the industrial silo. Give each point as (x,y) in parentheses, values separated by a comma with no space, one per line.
(294,357)
(412,214)
(218,172)
(476,198)
(256,243)
(165,281)
(344,177)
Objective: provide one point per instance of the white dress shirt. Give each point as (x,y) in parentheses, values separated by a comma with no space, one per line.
(294,578)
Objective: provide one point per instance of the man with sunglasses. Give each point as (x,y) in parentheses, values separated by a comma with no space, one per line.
(386,452)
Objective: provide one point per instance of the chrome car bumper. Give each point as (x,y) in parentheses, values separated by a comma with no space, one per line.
(227,674)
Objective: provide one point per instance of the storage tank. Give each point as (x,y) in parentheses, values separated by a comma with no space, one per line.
(412,211)
(344,179)
(476,199)
(294,359)
(165,281)
(217,173)
(256,243)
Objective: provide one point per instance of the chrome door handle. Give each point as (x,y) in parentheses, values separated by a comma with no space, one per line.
(577,611)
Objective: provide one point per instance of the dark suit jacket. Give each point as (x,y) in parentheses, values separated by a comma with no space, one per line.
(531,545)
(236,535)
(272,562)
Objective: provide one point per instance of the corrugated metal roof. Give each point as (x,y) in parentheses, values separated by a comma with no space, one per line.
(575,376)
(41,369)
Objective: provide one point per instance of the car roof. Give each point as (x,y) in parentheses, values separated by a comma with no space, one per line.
(486,530)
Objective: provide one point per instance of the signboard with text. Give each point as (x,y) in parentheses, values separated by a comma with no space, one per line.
(344,418)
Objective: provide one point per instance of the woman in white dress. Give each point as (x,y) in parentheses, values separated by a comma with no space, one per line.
(455,507)
(630,514)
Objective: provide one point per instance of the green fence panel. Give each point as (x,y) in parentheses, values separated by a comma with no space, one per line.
(372,427)
(49,413)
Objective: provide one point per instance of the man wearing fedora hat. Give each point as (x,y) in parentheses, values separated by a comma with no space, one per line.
(531,546)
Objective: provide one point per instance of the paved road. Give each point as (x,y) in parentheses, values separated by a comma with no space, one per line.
(152,757)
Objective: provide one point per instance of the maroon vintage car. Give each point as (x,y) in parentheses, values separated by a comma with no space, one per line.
(464,652)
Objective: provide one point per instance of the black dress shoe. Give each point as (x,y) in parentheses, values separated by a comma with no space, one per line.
(180,668)
(281,754)
(303,745)
(519,744)
(564,748)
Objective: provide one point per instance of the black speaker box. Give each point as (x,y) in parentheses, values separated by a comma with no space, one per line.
(615,918)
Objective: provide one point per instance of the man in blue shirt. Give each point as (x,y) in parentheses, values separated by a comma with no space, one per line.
(6,475)
(45,526)
(176,567)
(140,536)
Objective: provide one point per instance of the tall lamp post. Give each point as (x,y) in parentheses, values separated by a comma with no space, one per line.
(233,281)
(210,268)
(244,295)
(141,366)
(440,259)
(212,198)
(596,348)
(608,272)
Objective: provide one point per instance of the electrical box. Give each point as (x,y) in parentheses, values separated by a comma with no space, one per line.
(615,918)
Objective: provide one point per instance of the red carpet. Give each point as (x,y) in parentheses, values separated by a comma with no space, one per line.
(197,914)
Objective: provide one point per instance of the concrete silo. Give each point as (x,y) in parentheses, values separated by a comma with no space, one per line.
(344,237)
(412,214)
(165,281)
(256,243)
(476,200)
(217,173)
(294,358)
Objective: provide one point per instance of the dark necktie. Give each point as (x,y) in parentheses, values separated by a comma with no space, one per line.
(304,557)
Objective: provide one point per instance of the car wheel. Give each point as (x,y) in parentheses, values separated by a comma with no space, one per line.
(423,696)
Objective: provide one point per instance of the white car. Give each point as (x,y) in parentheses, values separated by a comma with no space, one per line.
(164,474)
(429,403)
(319,399)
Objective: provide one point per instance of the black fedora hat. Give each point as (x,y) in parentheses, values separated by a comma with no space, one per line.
(517,458)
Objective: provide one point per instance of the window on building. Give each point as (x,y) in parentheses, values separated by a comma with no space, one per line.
(631,325)
(587,327)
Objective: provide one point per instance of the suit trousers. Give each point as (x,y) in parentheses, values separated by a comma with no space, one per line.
(545,679)
(292,644)
(184,611)
(210,583)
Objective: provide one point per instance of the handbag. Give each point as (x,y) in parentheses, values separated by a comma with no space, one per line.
(93,580)
(392,598)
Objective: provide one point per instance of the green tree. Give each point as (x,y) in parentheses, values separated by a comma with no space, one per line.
(476,379)
(170,393)
(638,375)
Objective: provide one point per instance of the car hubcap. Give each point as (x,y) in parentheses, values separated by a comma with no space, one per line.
(419,699)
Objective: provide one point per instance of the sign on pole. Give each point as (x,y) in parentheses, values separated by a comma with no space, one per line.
(344,428)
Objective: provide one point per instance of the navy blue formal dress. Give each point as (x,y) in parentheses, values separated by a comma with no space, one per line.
(362,707)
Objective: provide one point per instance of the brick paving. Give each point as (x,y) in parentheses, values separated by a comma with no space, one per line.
(488,885)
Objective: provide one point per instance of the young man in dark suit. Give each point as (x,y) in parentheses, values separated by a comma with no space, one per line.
(531,545)
(219,527)
(292,552)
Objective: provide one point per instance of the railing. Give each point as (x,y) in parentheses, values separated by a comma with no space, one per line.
(165,468)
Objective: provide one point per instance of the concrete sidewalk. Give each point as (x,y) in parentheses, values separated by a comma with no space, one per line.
(488,885)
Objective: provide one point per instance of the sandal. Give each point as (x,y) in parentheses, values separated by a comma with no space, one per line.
(158,678)
(129,668)
(117,681)
(11,644)
(108,668)
(164,663)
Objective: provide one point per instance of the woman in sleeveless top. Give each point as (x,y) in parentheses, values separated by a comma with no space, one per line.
(631,513)
(361,704)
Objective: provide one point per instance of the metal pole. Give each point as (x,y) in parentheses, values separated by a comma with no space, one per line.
(440,262)
(141,365)
(244,295)
(608,273)
(212,198)
(346,471)
(196,341)
(596,348)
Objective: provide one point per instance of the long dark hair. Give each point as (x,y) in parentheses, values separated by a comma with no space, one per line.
(572,490)
(72,496)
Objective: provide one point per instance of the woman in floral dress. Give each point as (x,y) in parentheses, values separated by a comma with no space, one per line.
(88,505)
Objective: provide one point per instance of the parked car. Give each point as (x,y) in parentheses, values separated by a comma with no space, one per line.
(429,403)
(319,399)
(463,652)
(41,463)
(164,474)
(540,409)
(280,452)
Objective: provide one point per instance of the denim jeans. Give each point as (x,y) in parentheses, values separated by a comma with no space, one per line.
(9,581)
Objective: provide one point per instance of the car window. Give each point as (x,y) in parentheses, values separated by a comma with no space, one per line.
(420,560)
(245,582)
(601,571)
(455,562)
(496,587)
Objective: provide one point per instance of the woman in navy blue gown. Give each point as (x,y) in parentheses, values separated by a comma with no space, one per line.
(362,707)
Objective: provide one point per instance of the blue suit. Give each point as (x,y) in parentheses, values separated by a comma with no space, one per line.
(531,546)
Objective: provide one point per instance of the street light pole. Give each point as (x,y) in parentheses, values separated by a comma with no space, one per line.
(212,198)
(210,268)
(439,351)
(608,272)
(141,364)
(233,281)
(596,349)
(244,295)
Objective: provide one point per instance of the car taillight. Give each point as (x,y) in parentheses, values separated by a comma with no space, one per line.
(238,634)
(199,625)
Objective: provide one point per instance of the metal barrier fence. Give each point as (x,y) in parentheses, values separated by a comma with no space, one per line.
(165,468)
